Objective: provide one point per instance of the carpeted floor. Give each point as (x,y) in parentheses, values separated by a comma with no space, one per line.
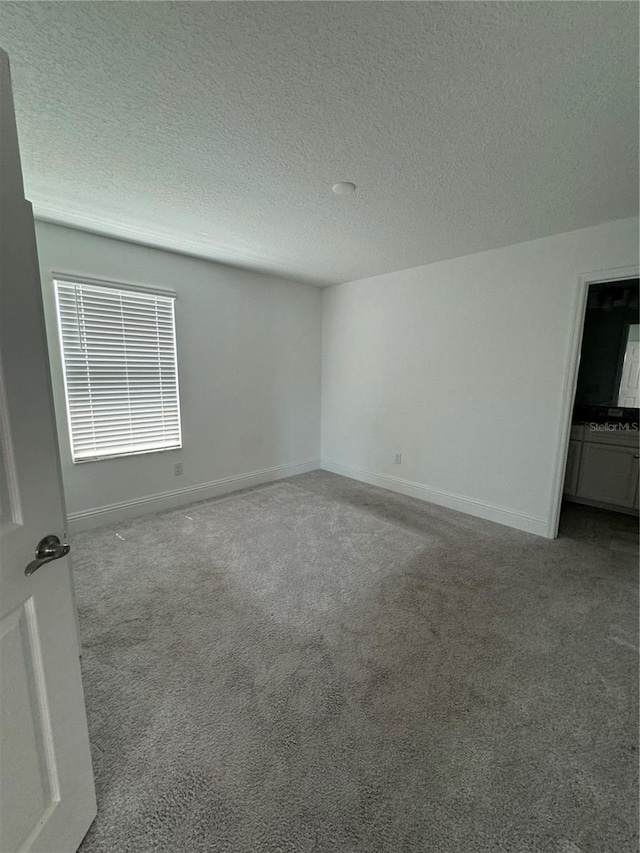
(320,665)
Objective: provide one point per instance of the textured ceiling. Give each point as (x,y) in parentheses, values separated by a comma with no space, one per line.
(219,128)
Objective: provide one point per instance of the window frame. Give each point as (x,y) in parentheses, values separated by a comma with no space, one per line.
(71,279)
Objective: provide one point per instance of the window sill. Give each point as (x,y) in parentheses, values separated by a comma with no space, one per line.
(124,455)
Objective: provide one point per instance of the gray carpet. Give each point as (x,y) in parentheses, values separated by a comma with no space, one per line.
(320,665)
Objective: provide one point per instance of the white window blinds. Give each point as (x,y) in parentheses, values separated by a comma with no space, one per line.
(120,370)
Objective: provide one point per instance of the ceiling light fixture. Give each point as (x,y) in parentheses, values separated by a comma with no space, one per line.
(344,188)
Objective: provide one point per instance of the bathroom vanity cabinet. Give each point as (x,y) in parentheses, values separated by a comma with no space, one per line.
(602,467)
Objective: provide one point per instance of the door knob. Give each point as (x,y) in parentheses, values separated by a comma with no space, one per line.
(50,548)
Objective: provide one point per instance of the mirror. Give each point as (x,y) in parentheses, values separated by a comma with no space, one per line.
(609,372)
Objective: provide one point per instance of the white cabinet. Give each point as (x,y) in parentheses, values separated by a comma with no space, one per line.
(608,474)
(573,467)
(602,468)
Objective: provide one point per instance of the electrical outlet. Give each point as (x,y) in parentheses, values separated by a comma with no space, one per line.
(397,458)
(177,468)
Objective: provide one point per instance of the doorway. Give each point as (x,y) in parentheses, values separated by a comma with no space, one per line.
(600,484)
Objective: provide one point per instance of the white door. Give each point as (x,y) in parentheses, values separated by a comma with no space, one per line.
(47,798)
(629,395)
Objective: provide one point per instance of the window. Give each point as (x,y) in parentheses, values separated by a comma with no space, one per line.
(120,370)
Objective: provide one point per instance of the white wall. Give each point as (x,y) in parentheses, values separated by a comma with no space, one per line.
(249,370)
(460,366)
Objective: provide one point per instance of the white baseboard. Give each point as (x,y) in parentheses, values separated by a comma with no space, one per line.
(508,517)
(125,510)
